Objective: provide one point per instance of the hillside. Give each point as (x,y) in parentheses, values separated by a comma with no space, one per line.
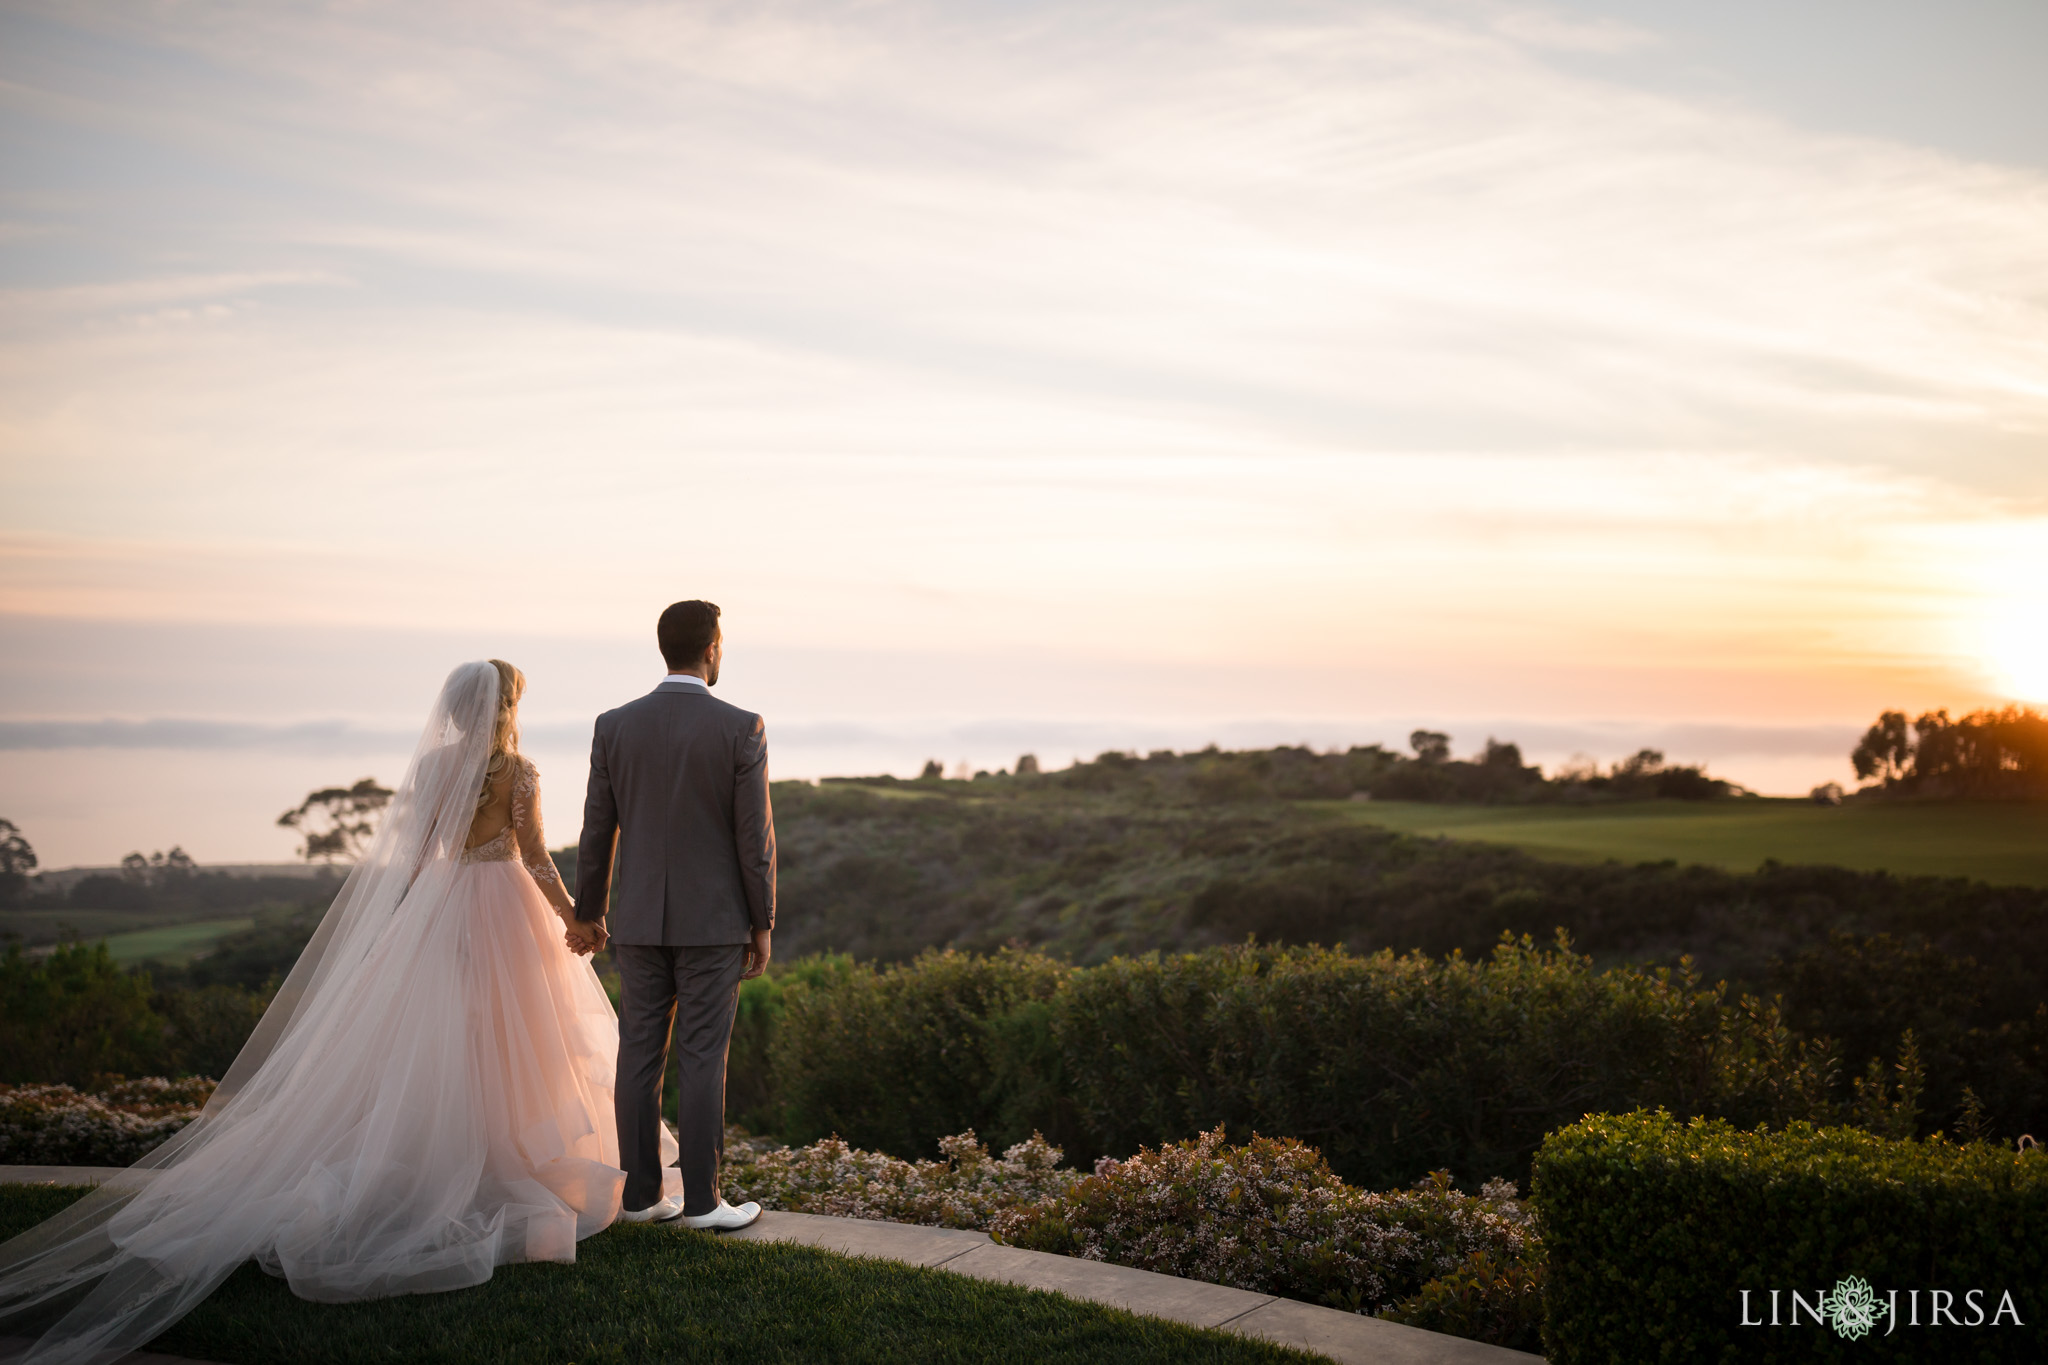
(1126,855)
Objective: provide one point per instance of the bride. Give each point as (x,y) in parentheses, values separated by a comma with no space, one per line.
(428,1097)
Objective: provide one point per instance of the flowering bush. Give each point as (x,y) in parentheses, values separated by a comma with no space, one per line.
(54,1125)
(1270,1216)
(966,1189)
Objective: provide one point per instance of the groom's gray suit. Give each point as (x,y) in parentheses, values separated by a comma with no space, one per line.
(679,786)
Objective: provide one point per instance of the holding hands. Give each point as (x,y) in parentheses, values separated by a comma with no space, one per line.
(584,937)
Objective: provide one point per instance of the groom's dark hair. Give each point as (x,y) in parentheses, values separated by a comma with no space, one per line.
(685,631)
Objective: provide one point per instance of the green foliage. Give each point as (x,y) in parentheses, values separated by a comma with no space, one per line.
(205,1027)
(1392,1066)
(1398,1065)
(750,1098)
(73,1016)
(1873,993)
(1654,1226)
(897,1058)
(1271,1217)
(1496,1300)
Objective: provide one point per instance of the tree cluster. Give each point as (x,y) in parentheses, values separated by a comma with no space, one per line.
(1985,755)
(1496,775)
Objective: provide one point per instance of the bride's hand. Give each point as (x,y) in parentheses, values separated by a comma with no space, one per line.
(585,937)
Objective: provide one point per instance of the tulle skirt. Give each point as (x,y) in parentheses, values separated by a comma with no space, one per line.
(459,1119)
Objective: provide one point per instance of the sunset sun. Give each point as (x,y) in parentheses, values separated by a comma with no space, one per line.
(2012,630)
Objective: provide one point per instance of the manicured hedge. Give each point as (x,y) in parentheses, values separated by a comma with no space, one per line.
(895,1059)
(1654,1227)
(1392,1067)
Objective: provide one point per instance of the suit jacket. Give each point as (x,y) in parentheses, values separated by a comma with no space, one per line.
(679,787)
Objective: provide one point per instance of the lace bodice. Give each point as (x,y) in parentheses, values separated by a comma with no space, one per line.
(522,837)
(499,850)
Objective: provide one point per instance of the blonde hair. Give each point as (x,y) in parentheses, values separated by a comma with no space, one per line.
(505,732)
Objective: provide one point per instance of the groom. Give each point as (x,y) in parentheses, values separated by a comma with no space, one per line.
(679,786)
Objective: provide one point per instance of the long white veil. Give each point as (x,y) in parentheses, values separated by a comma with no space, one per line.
(113,1284)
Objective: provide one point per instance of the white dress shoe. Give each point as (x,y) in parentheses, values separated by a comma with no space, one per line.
(724,1218)
(660,1211)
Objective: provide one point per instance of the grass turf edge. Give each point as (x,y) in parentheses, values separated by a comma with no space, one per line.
(659,1294)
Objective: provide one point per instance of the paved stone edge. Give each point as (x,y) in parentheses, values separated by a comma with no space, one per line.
(1348,1338)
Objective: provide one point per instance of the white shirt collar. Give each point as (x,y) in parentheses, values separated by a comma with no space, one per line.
(691,678)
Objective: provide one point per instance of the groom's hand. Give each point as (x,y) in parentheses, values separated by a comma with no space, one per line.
(585,937)
(757,956)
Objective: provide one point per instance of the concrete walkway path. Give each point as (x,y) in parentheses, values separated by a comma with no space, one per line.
(1344,1337)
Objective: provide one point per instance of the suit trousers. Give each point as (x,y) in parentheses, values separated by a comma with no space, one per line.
(692,993)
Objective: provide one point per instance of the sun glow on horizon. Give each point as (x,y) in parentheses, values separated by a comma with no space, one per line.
(2010,628)
(2018,651)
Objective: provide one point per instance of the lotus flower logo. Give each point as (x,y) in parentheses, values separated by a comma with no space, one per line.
(1852,1309)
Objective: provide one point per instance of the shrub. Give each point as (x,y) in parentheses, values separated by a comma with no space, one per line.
(966,1189)
(750,1094)
(1270,1216)
(74,1016)
(54,1125)
(206,1027)
(1797,1210)
(899,1057)
(1398,1065)
(1392,1066)
(1485,1299)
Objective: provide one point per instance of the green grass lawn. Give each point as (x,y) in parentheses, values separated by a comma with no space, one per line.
(659,1294)
(49,926)
(1993,842)
(41,927)
(174,942)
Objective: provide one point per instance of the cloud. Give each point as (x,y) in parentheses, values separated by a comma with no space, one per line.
(1336,226)
(312,737)
(1177,364)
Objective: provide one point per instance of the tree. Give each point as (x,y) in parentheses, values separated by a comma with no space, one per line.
(1430,747)
(932,768)
(1507,757)
(17,861)
(338,822)
(159,869)
(1027,764)
(1886,750)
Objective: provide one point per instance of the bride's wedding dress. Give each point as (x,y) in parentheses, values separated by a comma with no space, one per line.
(429,1096)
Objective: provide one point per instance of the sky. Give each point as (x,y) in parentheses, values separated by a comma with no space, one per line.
(1017,377)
